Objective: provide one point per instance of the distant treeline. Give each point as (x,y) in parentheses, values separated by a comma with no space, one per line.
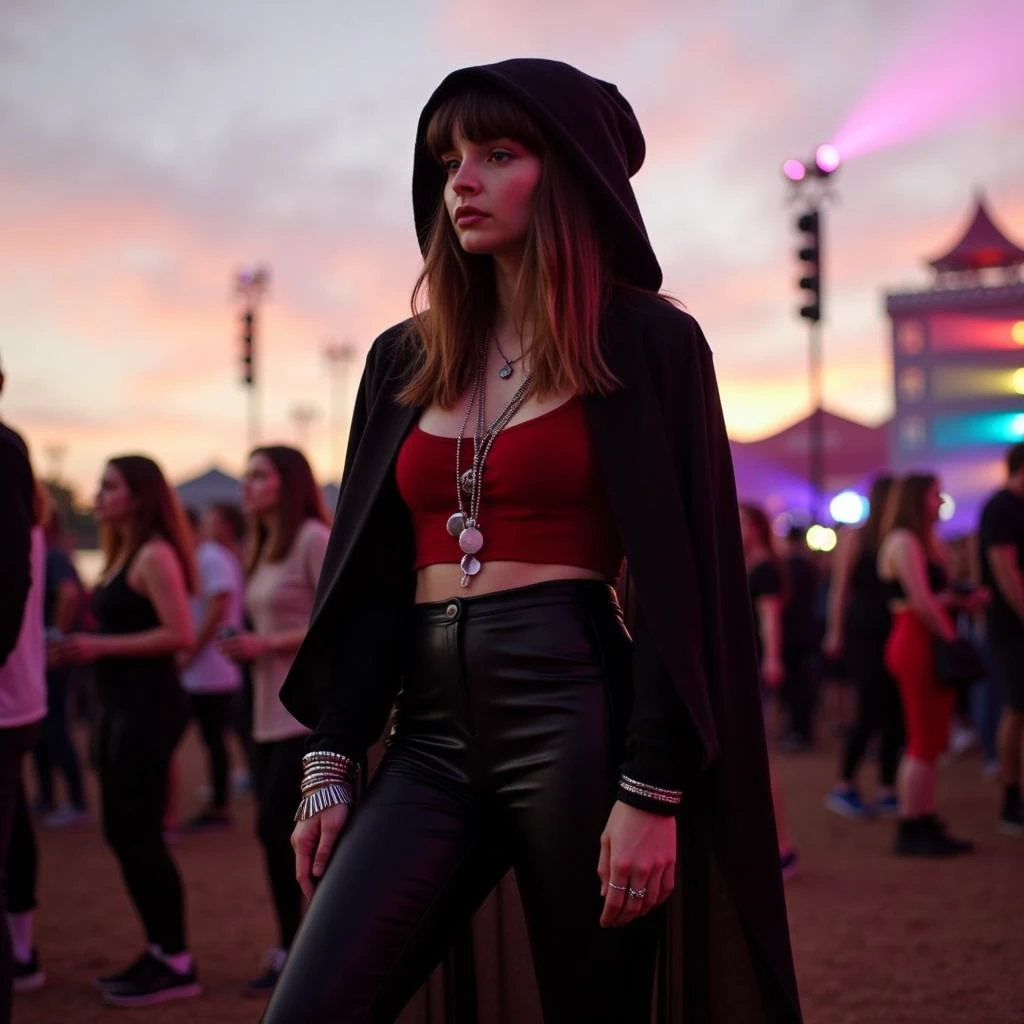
(78,521)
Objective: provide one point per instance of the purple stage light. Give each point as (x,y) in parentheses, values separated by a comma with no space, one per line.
(794,170)
(827,158)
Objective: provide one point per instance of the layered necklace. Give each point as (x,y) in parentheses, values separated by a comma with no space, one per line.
(469,485)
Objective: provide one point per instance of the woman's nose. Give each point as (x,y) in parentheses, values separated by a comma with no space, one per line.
(465,180)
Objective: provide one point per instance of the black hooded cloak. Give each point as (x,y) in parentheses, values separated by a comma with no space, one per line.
(661,443)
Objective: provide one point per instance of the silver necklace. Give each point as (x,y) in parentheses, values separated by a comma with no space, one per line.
(465,524)
(506,371)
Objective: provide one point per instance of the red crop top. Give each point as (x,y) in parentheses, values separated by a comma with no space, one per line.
(543,501)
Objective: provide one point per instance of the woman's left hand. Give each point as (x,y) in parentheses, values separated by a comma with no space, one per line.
(245,646)
(79,649)
(638,853)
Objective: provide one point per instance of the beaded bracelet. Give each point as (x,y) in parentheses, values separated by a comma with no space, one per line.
(656,793)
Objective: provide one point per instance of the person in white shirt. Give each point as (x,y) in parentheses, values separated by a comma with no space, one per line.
(211,679)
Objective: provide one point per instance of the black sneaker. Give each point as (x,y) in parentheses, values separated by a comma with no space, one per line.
(157,982)
(128,976)
(1011,821)
(28,975)
(273,964)
(927,837)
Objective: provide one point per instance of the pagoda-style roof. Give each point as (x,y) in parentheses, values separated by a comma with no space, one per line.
(983,245)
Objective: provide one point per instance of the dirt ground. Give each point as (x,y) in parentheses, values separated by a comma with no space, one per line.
(877,939)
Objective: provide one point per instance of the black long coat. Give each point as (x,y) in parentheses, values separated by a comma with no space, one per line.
(661,443)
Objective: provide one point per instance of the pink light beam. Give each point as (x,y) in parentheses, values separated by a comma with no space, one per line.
(966,62)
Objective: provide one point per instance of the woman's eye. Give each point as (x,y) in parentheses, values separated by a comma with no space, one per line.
(500,156)
(450,165)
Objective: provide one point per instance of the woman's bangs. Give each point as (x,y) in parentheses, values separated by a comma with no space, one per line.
(481,115)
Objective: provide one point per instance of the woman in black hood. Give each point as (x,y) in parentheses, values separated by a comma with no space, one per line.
(549,425)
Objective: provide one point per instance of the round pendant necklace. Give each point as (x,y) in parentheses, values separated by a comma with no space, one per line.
(506,371)
(465,524)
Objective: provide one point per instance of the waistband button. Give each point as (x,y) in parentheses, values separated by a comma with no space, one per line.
(451,611)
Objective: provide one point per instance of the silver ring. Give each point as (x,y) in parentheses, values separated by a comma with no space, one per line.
(621,888)
(637,894)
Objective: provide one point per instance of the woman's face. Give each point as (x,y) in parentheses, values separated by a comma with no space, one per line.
(932,504)
(114,501)
(489,194)
(261,486)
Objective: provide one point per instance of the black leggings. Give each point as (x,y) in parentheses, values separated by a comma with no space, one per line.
(213,714)
(133,749)
(879,709)
(508,735)
(278,776)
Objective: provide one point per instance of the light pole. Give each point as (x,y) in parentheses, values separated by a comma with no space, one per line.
(303,414)
(340,357)
(251,285)
(811,179)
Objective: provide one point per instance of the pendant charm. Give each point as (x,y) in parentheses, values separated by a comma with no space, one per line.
(470,565)
(468,479)
(471,540)
(456,524)
(505,372)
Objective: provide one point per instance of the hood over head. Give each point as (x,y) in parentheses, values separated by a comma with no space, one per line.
(588,123)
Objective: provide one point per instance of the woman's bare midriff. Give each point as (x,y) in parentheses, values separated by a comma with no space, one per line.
(441,582)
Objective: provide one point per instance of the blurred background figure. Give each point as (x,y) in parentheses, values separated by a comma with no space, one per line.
(1002,568)
(63,613)
(913,567)
(141,606)
(801,643)
(22,709)
(288,534)
(210,678)
(858,628)
(225,524)
(767,587)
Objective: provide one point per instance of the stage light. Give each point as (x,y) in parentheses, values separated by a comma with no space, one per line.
(1017,426)
(947,508)
(1017,332)
(821,538)
(848,508)
(827,159)
(1018,381)
(794,170)
(781,524)
(989,428)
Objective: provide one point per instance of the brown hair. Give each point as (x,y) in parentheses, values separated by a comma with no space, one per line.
(563,275)
(158,513)
(905,508)
(878,498)
(763,528)
(299,499)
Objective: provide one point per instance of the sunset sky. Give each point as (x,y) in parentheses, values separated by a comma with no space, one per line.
(147,151)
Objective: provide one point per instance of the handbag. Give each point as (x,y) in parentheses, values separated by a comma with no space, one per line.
(958,662)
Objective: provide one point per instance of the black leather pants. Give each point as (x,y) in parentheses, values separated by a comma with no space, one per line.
(505,755)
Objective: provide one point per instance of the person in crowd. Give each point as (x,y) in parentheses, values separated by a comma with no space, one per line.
(225,523)
(913,567)
(767,582)
(141,607)
(801,642)
(22,710)
(549,414)
(62,613)
(210,678)
(1001,540)
(857,630)
(288,537)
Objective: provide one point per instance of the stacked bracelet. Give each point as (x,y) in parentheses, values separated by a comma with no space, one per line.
(656,793)
(327,780)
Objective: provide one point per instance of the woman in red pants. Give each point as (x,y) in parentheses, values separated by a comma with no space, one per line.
(911,564)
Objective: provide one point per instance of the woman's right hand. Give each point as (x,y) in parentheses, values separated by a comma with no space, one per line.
(313,841)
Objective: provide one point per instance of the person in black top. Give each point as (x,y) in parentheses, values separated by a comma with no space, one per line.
(801,638)
(141,605)
(858,627)
(766,579)
(1001,539)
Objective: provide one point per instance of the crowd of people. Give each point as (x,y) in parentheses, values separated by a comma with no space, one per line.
(929,636)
